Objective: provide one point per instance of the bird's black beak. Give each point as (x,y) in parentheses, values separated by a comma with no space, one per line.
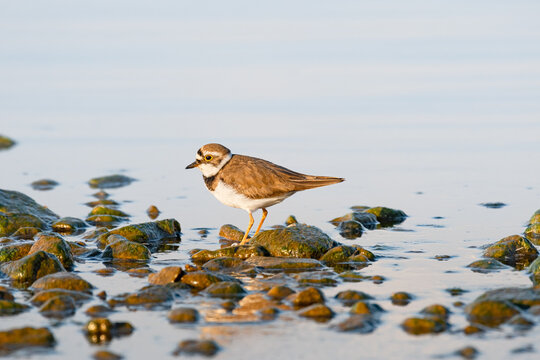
(192,165)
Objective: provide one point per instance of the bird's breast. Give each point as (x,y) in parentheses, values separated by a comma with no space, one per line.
(229,196)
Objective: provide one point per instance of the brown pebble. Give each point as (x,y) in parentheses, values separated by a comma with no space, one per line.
(102,295)
(169,274)
(183,315)
(105,271)
(472,329)
(279,292)
(228,305)
(153,212)
(98,311)
(377,279)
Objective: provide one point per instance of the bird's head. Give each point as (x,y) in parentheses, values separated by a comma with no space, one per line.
(210,159)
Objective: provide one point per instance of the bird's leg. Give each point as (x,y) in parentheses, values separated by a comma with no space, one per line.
(245,239)
(265,212)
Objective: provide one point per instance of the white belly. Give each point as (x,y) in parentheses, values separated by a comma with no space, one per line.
(228,196)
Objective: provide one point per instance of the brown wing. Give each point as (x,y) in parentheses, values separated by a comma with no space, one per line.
(258,178)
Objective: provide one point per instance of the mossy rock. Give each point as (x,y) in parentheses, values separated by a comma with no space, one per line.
(58,307)
(367,220)
(6,142)
(306,297)
(169,274)
(535,218)
(387,216)
(279,263)
(350,229)
(183,315)
(350,297)
(63,280)
(25,233)
(514,251)
(487,265)
(436,311)
(56,245)
(226,290)
(534,268)
(150,297)
(520,297)
(225,264)
(338,254)
(18,210)
(532,233)
(298,241)
(279,292)
(231,232)
(401,298)
(316,278)
(422,326)
(197,347)
(317,311)
(26,337)
(365,308)
(110,181)
(10,307)
(120,248)
(149,233)
(44,184)
(352,276)
(69,225)
(490,313)
(14,252)
(241,252)
(32,267)
(43,296)
(362,324)
(202,279)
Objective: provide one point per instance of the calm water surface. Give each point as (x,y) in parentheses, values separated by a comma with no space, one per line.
(428,107)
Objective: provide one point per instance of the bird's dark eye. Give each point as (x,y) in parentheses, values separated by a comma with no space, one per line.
(208,157)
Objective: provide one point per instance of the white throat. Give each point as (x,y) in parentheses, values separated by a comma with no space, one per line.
(209,170)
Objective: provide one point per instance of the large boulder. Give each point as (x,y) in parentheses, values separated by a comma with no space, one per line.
(18,210)
(513,250)
(298,240)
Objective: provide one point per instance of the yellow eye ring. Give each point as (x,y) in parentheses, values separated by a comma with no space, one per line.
(208,157)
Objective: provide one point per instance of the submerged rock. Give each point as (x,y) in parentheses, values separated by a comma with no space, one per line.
(514,251)
(436,311)
(350,229)
(225,264)
(16,339)
(521,297)
(6,143)
(362,324)
(32,267)
(63,280)
(365,308)
(110,181)
(365,219)
(279,292)
(241,252)
(151,234)
(25,233)
(152,212)
(279,263)
(490,313)
(487,265)
(69,225)
(122,249)
(387,216)
(10,307)
(102,215)
(18,210)
(183,315)
(58,307)
(299,241)
(14,252)
(338,254)
(197,347)
(44,184)
(56,245)
(422,326)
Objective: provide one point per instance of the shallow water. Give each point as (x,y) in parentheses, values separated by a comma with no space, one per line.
(426,107)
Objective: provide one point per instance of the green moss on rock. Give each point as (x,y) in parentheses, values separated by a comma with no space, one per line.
(32,267)
(149,233)
(514,251)
(56,245)
(241,252)
(14,252)
(422,326)
(490,313)
(387,216)
(120,248)
(15,339)
(110,181)
(63,280)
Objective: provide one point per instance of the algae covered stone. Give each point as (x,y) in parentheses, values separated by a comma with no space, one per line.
(307,297)
(69,225)
(241,252)
(63,280)
(149,233)
(44,184)
(183,315)
(32,267)
(533,233)
(299,241)
(197,347)
(514,251)
(14,252)
(231,232)
(279,263)
(18,210)
(387,216)
(56,245)
(10,307)
(122,249)
(169,274)
(15,339)
(422,326)
(58,307)
(350,297)
(486,265)
(226,290)
(202,279)
(338,254)
(317,311)
(110,181)
(6,142)
(490,313)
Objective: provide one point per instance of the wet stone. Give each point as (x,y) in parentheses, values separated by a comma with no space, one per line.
(14,252)
(202,279)
(231,232)
(307,297)
(183,315)
(366,220)
(297,241)
(106,355)
(352,276)
(58,307)
(365,308)
(316,278)
(122,249)
(472,329)
(490,313)
(56,245)
(350,297)
(104,202)
(468,352)
(98,311)
(15,339)
(241,252)
(6,142)
(25,233)
(68,225)
(487,265)
(5,294)
(520,297)
(63,280)
(401,298)
(533,233)
(436,311)
(493,205)
(225,264)
(152,212)
(317,311)
(102,330)
(280,263)
(291,220)
(226,290)
(32,267)
(197,347)
(44,184)
(43,296)
(362,324)
(515,251)
(150,297)
(10,307)
(387,216)
(279,292)
(422,326)
(169,274)
(338,254)
(110,181)
(350,229)
(18,210)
